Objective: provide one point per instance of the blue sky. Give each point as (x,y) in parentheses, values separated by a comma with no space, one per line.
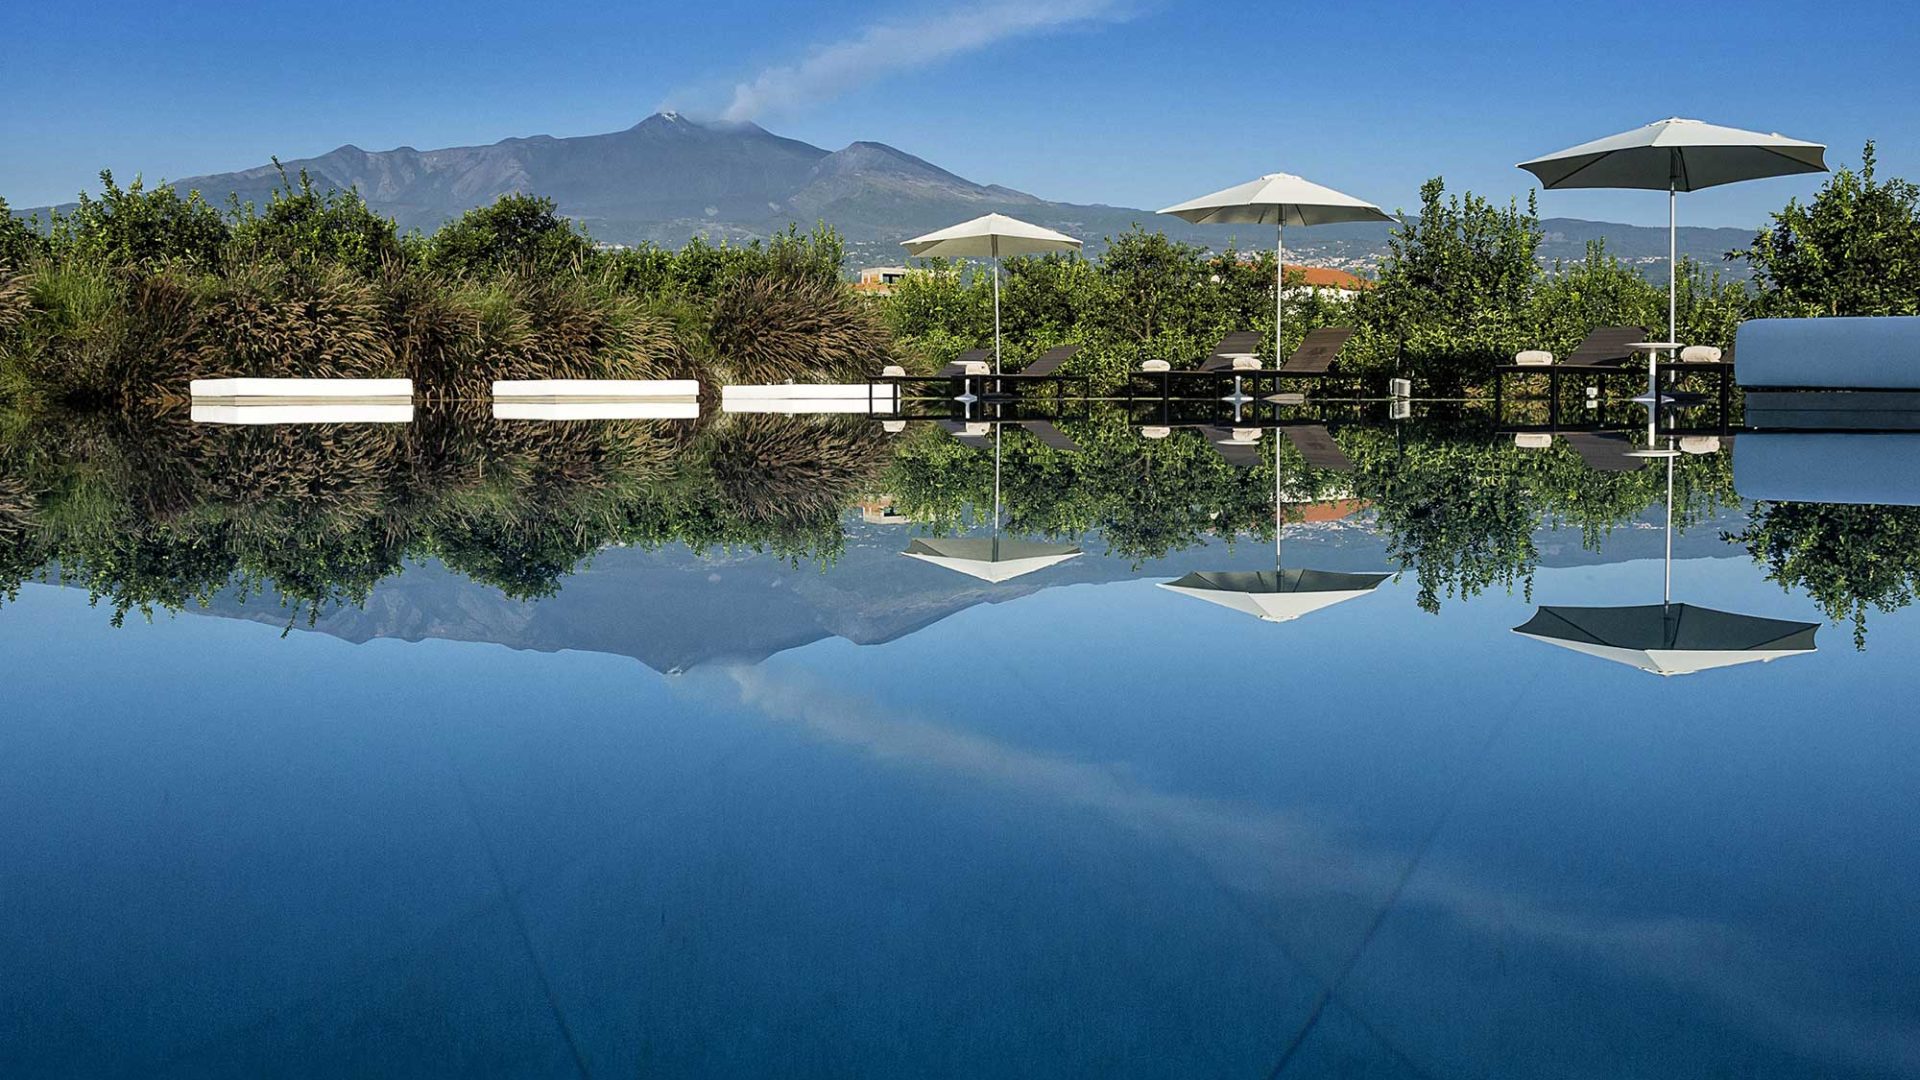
(1130,102)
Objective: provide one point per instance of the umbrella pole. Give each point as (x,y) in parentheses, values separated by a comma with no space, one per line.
(996,492)
(996,310)
(1673,263)
(1279,289)
(1667,595)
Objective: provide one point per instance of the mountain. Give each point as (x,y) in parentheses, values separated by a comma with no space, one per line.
(673,609)
(669,178)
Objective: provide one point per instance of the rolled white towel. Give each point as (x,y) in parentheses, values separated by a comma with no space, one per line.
(1533,440)
(978,367)
(893,371)
(1156,366)
(1246,363)
(1700,354)
(1155,432)
(1533,358)
(1700,444)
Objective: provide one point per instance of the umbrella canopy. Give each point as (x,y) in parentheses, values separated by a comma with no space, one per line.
(990,236)
(1669,639)
(1275,595)
(1675,155)
(990,559)
(1277,199)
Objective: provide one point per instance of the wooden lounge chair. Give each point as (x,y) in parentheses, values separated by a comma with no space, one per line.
(1047,365)
(967,363)
(1318,352)
(1237,351)
(1606,348)
(1604,452)
(1316,445)
(967,434)
(1050,435)
(1240,453)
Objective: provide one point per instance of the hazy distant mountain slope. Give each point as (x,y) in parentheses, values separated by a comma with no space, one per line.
(668,178)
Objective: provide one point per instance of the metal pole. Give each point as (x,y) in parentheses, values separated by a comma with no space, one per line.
(996,307)
(1277,519)
(1667,595)
(1279,285)
(1673,263)
(996,491)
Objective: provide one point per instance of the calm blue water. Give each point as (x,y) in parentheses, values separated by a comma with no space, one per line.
(1089,828)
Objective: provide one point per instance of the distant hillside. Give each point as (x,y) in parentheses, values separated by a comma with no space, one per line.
(669,178)
(672,609)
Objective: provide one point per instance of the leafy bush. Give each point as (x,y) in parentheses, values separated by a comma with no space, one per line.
(307,226)
(140,228)
(1854,250)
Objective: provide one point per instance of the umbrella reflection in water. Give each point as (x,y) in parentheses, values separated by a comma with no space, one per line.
(991,558)
(1669,638)
(1280,594)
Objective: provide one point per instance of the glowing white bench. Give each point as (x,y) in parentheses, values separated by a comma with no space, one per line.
(596,399)
(798,398)
(301,401)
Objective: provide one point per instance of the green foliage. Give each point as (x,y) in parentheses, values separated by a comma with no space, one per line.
(1847,558)
(519,233)
(133,227)
(1454,287)
(303,225)
(1854,250)
(20,243)
(764,329)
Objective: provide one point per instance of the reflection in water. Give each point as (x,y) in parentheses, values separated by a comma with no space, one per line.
(156,513)
(1669,638)
(1392,843)
(992,558)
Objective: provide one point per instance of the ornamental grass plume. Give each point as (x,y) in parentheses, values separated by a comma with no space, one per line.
(765,328)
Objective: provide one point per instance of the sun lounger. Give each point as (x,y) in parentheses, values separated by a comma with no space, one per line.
(1316,445)
(1233,444)
(1317,351)
(1050,435)
(1603,452)
(1606,348)
(968,434)
(971,362)
(1237,351)
(1047,365)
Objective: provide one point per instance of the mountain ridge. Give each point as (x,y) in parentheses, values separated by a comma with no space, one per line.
(668,178)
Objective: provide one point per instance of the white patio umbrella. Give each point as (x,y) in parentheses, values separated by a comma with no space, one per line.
(989,237)
(1274,595)
(1280,594)
(990,558)
(1676,155)
(1279,199)
(1669,638)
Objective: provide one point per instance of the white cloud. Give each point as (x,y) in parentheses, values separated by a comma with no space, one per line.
(883,48)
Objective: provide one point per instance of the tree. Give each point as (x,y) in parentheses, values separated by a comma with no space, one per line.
(521,233)
(137,227)
(1854,250)
(305,225)
(1453,289)
(19,241)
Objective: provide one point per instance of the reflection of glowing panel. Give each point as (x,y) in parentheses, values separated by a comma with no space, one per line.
(330,389)
(597,390)
(794,399)
(302,412)
(596,410)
